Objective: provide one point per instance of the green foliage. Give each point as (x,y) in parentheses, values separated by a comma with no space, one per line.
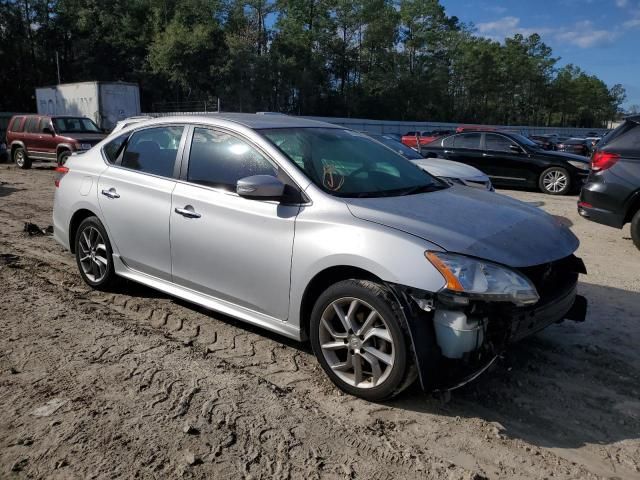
(394,59)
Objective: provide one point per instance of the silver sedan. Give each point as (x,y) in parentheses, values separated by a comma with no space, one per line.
(317,232)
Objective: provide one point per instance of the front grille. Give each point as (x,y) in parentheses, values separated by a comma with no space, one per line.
(554,278)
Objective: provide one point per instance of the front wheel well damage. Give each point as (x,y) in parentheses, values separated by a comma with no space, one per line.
(75,222)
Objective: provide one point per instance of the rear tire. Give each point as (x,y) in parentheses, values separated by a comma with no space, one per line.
(21,159)
(555,181)
(635,229)
(367,352)
(94,256)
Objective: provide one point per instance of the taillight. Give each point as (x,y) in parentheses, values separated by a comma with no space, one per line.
(60,172)
(603,160)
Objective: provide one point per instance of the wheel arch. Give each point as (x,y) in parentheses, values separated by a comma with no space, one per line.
(16,144)
(74,223)
(633,206)
(323,280)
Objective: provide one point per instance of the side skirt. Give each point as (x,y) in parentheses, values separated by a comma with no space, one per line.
(206,301)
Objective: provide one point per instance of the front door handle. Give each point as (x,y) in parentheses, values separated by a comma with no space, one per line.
(111,193)
(486,155)
(188,212)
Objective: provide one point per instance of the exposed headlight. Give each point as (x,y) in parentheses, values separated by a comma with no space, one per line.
(579,165)
(470,278)
(85,146)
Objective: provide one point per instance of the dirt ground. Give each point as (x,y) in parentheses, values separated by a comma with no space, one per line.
(136,384)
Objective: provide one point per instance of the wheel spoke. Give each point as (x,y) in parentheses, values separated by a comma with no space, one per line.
(368,323)
(378,332)
(383,357)
(376,371)
(101,260)
(345,321)
(334,346)
(330,329)
(344,366)
(357,369)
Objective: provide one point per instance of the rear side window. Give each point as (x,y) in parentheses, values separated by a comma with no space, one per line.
(153,150)
(219,160)
(114,147)
(16,124)
(468,140)
(497,143)
(628,138)
(32,125)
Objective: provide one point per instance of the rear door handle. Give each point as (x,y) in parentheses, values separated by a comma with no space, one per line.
(486,155)
(188,212)
(111,193)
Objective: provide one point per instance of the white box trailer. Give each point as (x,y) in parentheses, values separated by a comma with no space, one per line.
(103,102)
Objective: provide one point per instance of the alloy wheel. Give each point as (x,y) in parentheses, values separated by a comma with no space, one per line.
(93,254)
(356,342)
(555,181)
(20,158)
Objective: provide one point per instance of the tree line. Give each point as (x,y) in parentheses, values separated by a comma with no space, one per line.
(382,59)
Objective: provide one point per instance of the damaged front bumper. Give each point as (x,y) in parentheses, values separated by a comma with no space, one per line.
(481,331)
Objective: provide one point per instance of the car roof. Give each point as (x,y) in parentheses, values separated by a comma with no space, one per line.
(250,120)
(633,118)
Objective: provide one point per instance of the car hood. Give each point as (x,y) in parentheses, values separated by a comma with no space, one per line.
(446,168)
(561,156)
(86,137)
(473,222)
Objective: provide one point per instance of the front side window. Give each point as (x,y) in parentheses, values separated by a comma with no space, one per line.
(497,143)
(153,150)
(468,140)
(350,164)
(219,160)
(75,125)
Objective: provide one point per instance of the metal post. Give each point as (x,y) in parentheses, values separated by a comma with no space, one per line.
(58,66)
(218,104)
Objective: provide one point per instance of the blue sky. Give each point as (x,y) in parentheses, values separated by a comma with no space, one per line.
(600,36)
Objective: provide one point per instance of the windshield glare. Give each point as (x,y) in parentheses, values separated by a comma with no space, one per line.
(75,125)
(350,164)
(398,147)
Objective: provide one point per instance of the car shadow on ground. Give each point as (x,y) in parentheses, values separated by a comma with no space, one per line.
(7,189)
(570,385)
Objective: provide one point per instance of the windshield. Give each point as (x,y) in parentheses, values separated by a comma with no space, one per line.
(350,164)
(75,125)
(398,147)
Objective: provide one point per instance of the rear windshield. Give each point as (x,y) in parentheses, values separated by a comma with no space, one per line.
(618,132)
(75,125)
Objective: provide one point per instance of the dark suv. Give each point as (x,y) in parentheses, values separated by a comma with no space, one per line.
(611,195)
(41,137)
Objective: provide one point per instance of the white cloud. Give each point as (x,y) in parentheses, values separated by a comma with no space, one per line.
(581,34)
(622,3)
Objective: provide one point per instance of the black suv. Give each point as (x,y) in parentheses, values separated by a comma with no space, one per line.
(611,195)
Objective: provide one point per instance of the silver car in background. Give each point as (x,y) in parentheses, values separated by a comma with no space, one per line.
(452,172)
(317,232)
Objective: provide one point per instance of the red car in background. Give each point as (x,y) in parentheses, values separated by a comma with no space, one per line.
(413,139)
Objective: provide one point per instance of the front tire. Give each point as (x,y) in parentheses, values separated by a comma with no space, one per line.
(555,181)
(358,337)
(94,256)
(21,159)
(635,229)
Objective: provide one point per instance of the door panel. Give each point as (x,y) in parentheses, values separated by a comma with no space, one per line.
(137,218)
(508,167)
(237,250)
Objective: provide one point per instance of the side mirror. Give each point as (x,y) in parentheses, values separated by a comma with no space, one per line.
(515,148)
(260,187)
(48,130)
